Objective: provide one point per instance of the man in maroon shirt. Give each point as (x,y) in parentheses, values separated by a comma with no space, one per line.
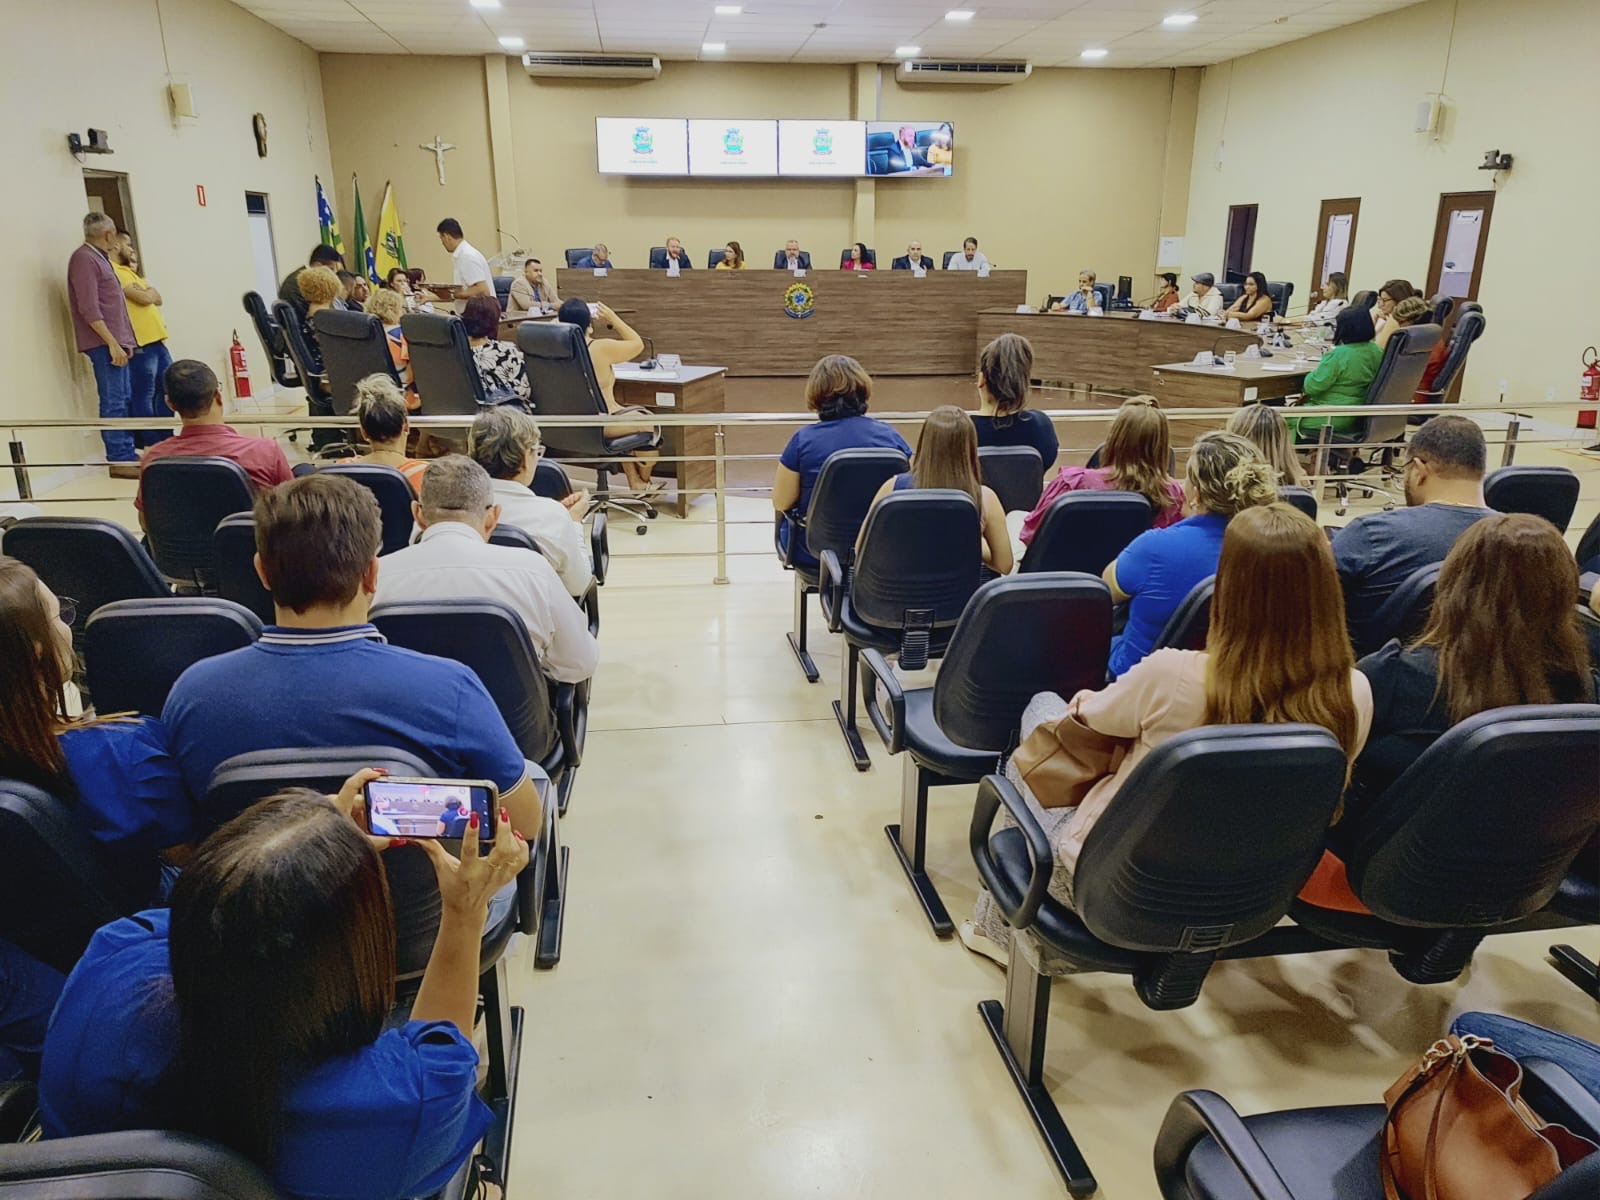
(103,332)
(194,394)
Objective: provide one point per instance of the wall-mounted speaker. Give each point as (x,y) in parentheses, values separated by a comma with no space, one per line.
(181,97)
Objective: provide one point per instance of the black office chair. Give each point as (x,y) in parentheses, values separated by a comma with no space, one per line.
(1468,329)
(919,565)
(1229,292)
(1404,615)
(561,376)
(879,143)
(521,539)
(443,367)
(1588,551)
(839,502)
(502,290)
(948,255)
(1548,492)
(715,256)
(551,481)
(394,495)
(1085,531)
(1014,473)
(134,650)
(147,1163)
(307,359)
(1103,293)
(1207,1151)
(1017,637)
(1478,834)
(1281,294)
(1364,299)
(234,545)
(281,365)
(1190,623)
(576,254)
(1210,838)
(184,498)
(19,1111)
(1442,306)
(1300,497)
(354,346)
(89,559)
(844,256)
(1098,453)
(658,258)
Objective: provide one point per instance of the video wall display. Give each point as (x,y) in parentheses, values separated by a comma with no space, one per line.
(735,148)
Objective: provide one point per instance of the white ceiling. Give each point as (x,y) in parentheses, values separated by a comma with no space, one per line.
(1047,33)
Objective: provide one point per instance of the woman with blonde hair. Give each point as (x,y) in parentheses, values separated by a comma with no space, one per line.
(947,457)
(1225,476)
(1135,459)
(381,410)
(1276,654)
(1005,370)
(319,288)
(389,307)
(1265,427)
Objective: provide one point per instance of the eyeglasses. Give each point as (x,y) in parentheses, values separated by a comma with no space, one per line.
(68,608)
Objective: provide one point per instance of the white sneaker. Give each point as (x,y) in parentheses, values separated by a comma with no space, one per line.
(976,941)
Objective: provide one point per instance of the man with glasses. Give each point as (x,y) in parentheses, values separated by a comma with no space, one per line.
(913,258)
(791,258)
(1444,495)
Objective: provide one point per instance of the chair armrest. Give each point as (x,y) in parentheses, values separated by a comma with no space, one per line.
(797,533)
(572,722)
(994,791)
(832,584)
(590,603)
(600,547)
(1195,1115)
(1559,1098)
(19,1104)
(876,669)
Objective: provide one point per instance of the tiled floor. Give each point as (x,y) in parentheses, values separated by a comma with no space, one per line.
(750,1003)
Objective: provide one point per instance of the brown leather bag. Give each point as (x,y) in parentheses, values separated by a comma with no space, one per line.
(1457,1129)
(1061,760)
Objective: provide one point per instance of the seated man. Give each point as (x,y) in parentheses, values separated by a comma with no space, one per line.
(530,294)
(505,442)
(970,258)
(454,561)
(289,289)
(914,257)
(322,676)
(1083,297)
(675,257)
(598,259)
(1444,494)
(194,394)
(1204,295)
(791,258)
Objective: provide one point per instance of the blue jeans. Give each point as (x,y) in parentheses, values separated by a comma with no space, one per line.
(28,993)
(1576,1057)
(115,385)
(149,391)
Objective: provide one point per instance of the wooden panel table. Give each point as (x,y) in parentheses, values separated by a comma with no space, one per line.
(1180,385)
(893,322)
(681,389)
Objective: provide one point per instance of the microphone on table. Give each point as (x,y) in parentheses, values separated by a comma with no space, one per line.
(649,364)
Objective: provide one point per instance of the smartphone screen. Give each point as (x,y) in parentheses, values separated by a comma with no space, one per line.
(431,808)
(594,310)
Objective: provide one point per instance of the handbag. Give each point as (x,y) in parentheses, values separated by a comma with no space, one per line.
(1061,760)
(1458,1129)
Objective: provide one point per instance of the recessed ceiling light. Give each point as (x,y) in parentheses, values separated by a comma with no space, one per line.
(512,43)
(713,47)
(907,51)
(1091,54)
(485,3)
(1178,20)
(959,14)
(729,10)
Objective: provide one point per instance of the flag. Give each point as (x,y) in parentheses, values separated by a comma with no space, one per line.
(388,247)
(364,264)
(327,225)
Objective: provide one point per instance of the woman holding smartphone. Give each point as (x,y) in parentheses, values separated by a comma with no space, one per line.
(248,1016)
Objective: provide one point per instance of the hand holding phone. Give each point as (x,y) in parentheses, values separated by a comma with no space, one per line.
(467,884)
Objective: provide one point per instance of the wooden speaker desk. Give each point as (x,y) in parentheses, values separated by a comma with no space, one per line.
(680,389)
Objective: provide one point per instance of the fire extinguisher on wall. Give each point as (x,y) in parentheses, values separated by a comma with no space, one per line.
(1589,388)
(239,369)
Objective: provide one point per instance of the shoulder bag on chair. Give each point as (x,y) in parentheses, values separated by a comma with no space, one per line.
(1062,759)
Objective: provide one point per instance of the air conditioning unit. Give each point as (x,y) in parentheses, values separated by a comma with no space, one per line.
(591,66)
(919,70)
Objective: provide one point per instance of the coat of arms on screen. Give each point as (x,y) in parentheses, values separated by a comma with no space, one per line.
(733,141)
(643,140)
(822,141)
(799,300)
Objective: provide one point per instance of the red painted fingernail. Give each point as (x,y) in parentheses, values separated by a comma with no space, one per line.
(520,838)
(474,821)
(400,842)
(505,814)
(381,770)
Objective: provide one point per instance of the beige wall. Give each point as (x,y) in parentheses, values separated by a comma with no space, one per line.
(71,64)
(1521,78)
(1092,193)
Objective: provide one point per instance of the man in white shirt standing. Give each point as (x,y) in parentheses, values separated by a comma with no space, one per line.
(505,442)
(1204,295)
(454,561)
(970,258)
(469,268)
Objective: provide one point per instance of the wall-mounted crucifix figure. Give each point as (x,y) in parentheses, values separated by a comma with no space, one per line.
(437,148)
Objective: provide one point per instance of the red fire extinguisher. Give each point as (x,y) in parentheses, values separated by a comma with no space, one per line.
(1589,388)
(241,372)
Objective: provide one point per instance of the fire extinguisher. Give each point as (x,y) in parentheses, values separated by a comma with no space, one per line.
(241,372)
(1589,388)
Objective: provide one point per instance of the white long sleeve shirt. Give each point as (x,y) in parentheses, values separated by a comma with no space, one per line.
(550,523)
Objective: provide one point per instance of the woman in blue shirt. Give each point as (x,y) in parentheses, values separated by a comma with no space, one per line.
(253,1014)
(837,391)
(1225,476)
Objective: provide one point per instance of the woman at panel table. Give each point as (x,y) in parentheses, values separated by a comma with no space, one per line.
(500,364)
(1389,295)
(1331,300)
(1342,377)
(1166,292)
(1004,369)
(1254,302)
(732,258)
(1413,310)
(1276,654)
(940,150)
(947,457)
(858,260)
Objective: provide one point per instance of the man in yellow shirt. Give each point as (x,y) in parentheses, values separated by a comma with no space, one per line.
(148,366)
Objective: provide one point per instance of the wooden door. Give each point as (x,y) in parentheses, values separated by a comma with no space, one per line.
(1460,239)
(1335,247)
(1240,246)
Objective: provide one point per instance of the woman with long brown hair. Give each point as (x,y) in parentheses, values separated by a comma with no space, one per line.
(947,457)
(1134,459)
(1005,370)
(1276,654)
(1265,427)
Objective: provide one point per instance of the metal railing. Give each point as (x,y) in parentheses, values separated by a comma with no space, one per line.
(1522,427)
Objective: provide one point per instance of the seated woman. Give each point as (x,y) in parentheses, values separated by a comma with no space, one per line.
(1254,302)
(500,363)
(858,260)
(319,288)
(1413,310)
(254,1012)
(947,457)
(838,391)
(389,307)
(381,410)
(1004,369)
(1167,293)
(1276,654)
(732,258)
(1331,300)
(1266,429)
(1389,296)
(605,354)
(1159,568)
(1342,377)
(1134,460)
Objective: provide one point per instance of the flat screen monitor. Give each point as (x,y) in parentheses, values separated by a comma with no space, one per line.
(733,147)
(910,149)
(642,145)
(822,148)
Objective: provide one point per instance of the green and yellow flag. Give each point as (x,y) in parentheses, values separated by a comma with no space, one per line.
(363,248)
(388,247)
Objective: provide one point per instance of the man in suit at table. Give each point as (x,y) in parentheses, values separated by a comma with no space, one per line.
(913,257)
(598,259)
(674,256)
(791,258)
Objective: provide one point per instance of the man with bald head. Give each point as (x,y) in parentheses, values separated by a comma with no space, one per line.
(913,258)
(104,334)
(791,258)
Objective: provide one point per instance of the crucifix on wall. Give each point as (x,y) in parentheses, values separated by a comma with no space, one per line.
(438,148)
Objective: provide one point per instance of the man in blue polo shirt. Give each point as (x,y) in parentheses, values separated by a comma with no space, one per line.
(323,677)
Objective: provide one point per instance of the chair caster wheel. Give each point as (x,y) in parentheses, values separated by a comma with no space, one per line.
(651,515)
(640,530)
